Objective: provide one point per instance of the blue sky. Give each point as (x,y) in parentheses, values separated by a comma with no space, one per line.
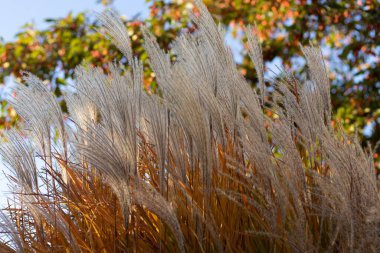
(15,13)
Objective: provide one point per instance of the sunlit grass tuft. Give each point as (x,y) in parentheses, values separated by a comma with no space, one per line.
(198,167)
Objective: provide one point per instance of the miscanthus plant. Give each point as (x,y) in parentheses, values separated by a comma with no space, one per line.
(197,167)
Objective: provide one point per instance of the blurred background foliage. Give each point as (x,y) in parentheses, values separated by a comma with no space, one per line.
(348,32)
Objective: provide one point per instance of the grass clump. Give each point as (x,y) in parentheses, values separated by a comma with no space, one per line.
(199,168)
